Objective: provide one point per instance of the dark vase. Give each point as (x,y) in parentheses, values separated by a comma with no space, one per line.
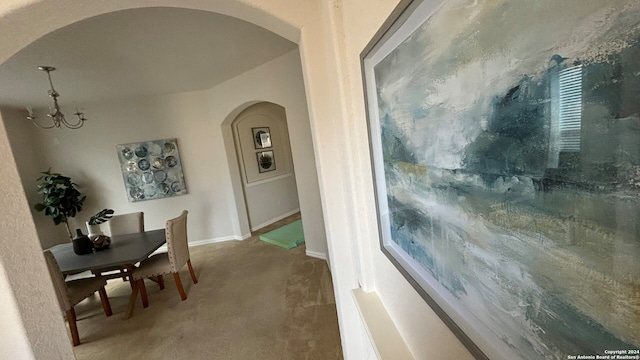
(82,244)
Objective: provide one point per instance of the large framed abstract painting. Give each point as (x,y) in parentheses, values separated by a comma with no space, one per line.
(505,144)
(151,169)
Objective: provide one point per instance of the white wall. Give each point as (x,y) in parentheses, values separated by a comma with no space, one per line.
(230,98)
(26,149)
(89,157)
(35,310)
(13,338)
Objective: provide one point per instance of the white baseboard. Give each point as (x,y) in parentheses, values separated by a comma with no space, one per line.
(257,227)
(317,255)
(220,239)
(163,248)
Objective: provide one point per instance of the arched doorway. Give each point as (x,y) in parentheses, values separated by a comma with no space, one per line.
(26,272)
(265,163)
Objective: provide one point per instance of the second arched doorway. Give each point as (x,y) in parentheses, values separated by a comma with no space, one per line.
(265,164)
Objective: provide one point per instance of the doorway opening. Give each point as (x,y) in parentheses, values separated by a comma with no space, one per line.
(265,164)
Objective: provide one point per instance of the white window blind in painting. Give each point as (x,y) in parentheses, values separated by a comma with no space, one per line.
(570,91)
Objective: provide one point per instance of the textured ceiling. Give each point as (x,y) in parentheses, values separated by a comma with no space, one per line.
(139,52)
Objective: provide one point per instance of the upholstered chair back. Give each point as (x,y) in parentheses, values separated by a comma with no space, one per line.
(58,281)
(177,243)
(126,223)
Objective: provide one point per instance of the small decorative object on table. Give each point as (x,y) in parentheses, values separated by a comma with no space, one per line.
(82,244)
(100,241)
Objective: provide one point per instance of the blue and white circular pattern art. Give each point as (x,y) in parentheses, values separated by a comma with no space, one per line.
(155,165)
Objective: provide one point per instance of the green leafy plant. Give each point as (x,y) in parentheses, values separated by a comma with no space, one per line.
(61,199)
(101,217)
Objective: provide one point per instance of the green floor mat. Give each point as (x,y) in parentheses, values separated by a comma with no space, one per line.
(288,236)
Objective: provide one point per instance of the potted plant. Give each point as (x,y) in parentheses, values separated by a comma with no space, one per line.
(61,199)
(101,217)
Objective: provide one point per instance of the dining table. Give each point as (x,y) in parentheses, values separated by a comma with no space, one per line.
(124,252)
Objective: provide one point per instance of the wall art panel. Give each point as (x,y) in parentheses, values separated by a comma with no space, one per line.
(505,142)
(151,169)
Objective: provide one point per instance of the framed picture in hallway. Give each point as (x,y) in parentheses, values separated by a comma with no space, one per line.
(266,162)
(504,141)
(261,137)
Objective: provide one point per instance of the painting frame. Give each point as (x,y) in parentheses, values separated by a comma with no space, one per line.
(403,24)
(266,161)
(381,41)
(261,137)
(151,169)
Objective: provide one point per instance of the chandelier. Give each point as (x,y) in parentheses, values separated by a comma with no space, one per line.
(56,116)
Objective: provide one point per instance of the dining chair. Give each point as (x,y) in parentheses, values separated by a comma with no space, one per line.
(126,223)
(119,225)
(70,293)
(171,262)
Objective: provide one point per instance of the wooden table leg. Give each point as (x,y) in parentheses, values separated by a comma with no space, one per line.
(132,302)
(143,292)
(105,301)
(130,269)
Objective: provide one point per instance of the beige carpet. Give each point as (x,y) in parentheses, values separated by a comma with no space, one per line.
(253,301)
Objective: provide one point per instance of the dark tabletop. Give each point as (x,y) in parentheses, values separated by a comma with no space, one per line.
(125,249)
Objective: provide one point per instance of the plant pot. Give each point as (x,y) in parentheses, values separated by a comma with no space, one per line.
(94,231)
(82,244)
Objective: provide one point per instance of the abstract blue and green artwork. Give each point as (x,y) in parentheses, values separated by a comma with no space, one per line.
(505,141)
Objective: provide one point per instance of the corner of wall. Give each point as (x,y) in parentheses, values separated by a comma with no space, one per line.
(13,337)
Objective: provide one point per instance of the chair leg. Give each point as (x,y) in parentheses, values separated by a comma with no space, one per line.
(183,296)
(71,318)
(193,274)
(105,301)
(143,293)
(132,302)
